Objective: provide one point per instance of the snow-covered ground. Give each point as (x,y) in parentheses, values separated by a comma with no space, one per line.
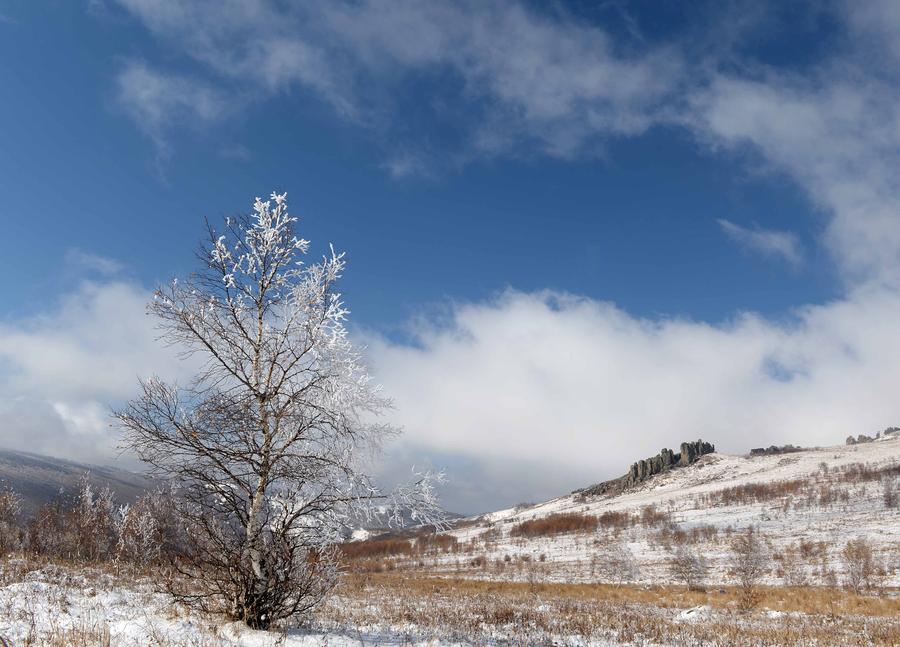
(49,606)
(57,606)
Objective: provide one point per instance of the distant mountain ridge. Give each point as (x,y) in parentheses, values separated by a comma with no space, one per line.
(40,479)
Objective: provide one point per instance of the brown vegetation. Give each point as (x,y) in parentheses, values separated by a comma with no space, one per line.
(376,548)
(634,615)
(555,524)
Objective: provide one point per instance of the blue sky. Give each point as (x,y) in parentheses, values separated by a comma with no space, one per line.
(720,177)
(633,220)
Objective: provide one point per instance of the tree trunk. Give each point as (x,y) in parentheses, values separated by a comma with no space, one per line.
(255,613)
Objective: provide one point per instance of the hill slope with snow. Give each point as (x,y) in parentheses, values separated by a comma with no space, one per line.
(805,506)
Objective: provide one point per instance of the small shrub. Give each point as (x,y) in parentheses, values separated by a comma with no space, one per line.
(10,511)
(748,565)
(615,564)
(889,495)
(859,562)
(436,543)
(689,568)
(651,516)
(614,520)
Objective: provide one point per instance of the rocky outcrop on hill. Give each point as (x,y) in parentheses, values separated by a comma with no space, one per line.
(644,469)
(863,438)
(772,450)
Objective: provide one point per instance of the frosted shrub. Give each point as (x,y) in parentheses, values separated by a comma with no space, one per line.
(48,532)
(689,568)
(859,564)
(140,540)
(92,523)
(748,564)
(615,563)
(10,511)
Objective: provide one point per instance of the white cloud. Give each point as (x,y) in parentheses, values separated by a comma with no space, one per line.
(836,134)
(776,244)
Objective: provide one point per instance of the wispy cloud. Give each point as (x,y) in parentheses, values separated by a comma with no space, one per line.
(93,262)
(833,133)
(157,101)
(529,78)
(529,81)
(782,245)
(237,152)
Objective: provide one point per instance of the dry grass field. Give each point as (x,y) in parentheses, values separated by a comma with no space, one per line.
(547,613)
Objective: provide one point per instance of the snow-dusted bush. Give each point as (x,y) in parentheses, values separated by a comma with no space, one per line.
(47,532)
(139,540)
(10,512)
(889,493)
(689,568)
(859,564)
(614,563)
(92,523)
(748,565)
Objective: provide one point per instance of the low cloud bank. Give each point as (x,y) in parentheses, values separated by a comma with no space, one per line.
(522,397)
(557,380)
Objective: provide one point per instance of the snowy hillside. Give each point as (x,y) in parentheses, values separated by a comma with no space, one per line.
(806,505)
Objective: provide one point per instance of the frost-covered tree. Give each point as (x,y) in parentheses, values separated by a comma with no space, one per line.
(269,442)
(792,570)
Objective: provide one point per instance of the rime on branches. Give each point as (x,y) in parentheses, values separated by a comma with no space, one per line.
(268,443)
